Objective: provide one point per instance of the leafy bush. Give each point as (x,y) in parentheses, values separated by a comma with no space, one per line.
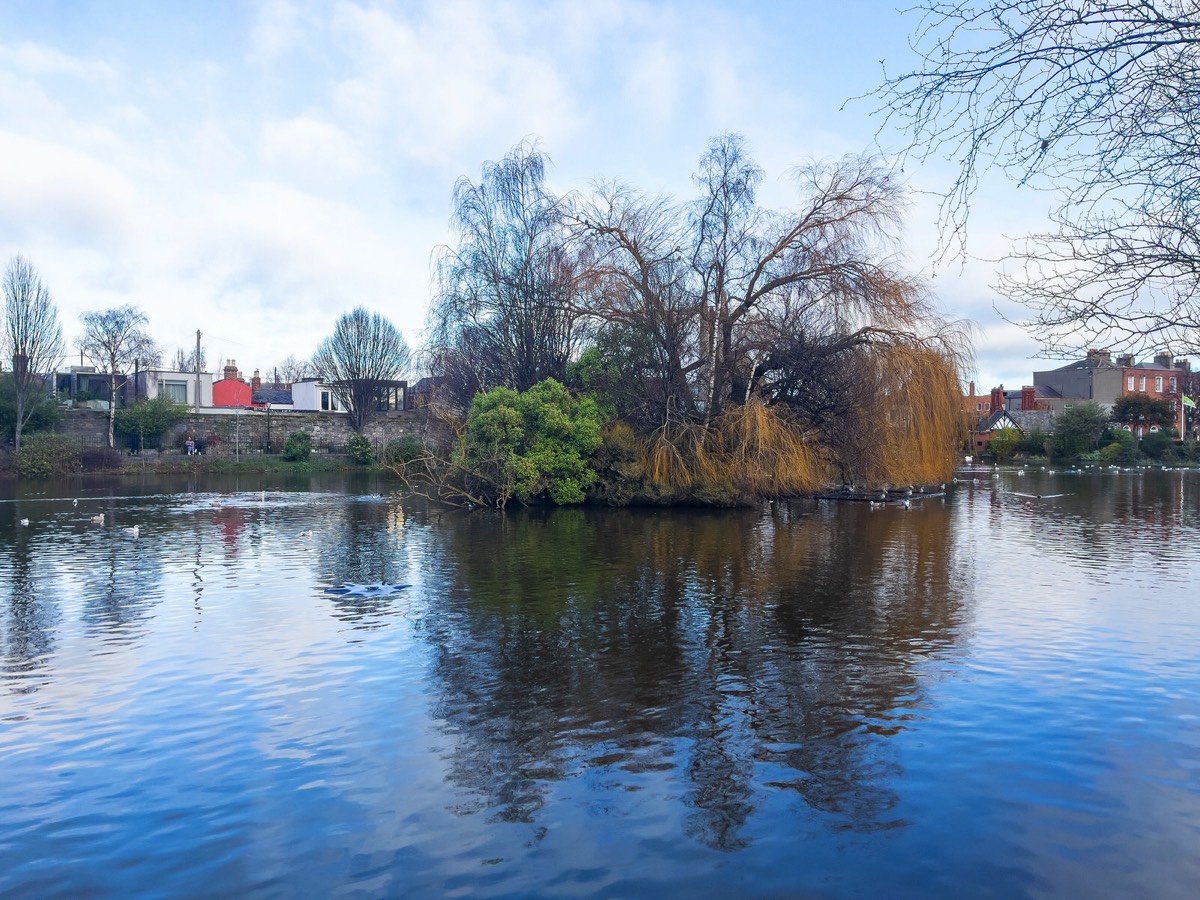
(298,446)
(359,449)
(404,453)
(144,423)
(43,409)
(1158,445)
(1033,443)
(1077,428)
(1122,449)
(48,455)
(532,445)
(1004,443)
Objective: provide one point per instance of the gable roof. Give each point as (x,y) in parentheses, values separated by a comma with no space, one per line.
(1033,420)
(1023,420)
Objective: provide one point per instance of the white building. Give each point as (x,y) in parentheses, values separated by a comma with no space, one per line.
(314,396)
(179,386)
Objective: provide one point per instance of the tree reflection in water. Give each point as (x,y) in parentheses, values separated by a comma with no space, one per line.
(571,640)
(121,584)
(33,613)
(362,546)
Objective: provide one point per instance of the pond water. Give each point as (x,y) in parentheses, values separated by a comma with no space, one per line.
(329,687)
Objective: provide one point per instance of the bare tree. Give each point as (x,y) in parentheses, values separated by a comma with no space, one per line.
(113,339)
(364,352)
(1099,102)
(33,339)
(743,301)
(503,314)
(639,284)
(292,369)
(185,360)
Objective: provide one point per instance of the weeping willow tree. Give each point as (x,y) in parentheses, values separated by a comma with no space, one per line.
(753,351)
(503,314)
(911,415)
(749,451)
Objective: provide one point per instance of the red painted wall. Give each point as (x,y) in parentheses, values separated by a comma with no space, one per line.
(231,392)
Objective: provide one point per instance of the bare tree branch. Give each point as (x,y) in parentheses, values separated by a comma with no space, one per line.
(32,337)
(364,352)
(113,339)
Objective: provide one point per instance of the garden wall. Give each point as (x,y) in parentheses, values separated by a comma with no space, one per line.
(229,432)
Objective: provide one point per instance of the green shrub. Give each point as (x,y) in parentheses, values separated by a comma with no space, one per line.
(1004,443)
(1158,445)
(359,449)
(48,455)
(145,423)
(1033,443)
(298,446)
(1122,449)
(530,446)
(404,453)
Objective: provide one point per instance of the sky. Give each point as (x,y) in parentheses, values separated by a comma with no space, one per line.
(252,169)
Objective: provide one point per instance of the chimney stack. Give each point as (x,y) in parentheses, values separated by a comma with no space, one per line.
(231,372)
(1125,359)
(1099,353)
(1164,360)
(256,382)
(1028,397)
(997,398)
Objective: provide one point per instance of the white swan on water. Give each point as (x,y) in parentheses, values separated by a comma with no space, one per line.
(134,531)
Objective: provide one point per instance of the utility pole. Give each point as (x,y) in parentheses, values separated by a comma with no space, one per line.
(197,370)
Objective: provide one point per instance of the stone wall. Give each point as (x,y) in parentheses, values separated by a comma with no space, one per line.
(230,432)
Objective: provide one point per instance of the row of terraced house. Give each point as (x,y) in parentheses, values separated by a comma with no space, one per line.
(1097,377)
(84,386)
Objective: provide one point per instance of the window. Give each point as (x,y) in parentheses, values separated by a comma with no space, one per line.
(1158,384)
(176,390)
(1174,384)
(325,400)
(978,407)
(1142,384)
(1129,383)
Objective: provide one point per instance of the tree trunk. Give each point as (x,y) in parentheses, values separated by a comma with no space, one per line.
(112,408)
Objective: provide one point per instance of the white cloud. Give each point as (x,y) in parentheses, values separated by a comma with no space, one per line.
(38,59)
(310,150)
(277,29)
(53,192)
(451,79)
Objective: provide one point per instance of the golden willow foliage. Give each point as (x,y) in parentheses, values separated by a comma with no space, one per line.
(915,411)
(905,430)
(749,451)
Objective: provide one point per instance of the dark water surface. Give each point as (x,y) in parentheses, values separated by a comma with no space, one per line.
(993,695)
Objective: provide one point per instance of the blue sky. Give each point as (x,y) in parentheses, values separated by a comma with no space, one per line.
(254,169)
